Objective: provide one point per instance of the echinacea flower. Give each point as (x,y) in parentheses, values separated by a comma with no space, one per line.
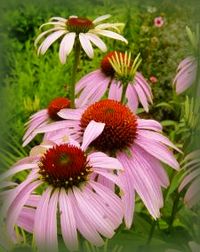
(44,116)
(158,21)
(80,29)
(186,74)
(191,180)
(67,177)
(118,74)
(137,143)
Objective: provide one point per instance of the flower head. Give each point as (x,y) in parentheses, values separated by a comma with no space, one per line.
(66,173)
(186,74)
(118,73)
(137,143)
(159,21)
(45,116)
(80,29)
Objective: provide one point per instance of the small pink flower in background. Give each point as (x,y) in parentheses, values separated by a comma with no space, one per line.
(153,79)
(186,74)
(158,21)
(66,174)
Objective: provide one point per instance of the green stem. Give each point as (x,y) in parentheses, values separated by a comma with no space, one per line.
(77,51)
(125,85)
(174,211)
(153,226)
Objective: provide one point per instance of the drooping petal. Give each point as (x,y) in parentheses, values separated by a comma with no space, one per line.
(149,125)
(132,98)
(85,226)
(51,226)
(92,131)
(97,41)
(67,220)
(26,219)
(86,45)
(41,220)
(66,46)
(18,203)
(115,90)
(49,41)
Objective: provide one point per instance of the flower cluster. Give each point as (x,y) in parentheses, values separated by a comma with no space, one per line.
(96,154)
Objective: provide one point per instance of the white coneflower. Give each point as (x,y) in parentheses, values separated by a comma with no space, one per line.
(83,29)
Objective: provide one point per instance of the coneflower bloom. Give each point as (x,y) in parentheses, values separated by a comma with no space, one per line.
(186,74)
(118,74)
(137,143)
(80,29)
(44,117)
(66,175)
(191,180)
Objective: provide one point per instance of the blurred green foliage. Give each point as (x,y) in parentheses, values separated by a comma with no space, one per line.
(29,82)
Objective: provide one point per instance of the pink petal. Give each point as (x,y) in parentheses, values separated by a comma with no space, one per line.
(142,96)
(18,203)
(158,150)
(92,131)
(115,91)
(51,226)
(26,219)
(41,220)
(132,97)
(85,226)
(149,125)
(92,212)
(101,160)
(71,114)
(67,220)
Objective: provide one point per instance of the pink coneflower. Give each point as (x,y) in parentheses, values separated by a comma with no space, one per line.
(80,29)
(137,143)
(67,177)
(186,74)
(191,180)
(44,116)
(153,79)
(118,74)
(158,21)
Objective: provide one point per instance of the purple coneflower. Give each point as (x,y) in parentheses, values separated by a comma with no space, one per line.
(118,74)
(186,74)
(78,29)
(67,177)
(44,117)
(191,180)
(137,143)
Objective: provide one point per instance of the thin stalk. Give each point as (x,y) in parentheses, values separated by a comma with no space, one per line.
(153,226)
(174,211)
(125,85)
(77,51)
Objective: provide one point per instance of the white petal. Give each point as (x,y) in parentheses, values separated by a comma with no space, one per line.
(111,34)
(66,46)
(49,41)
(101,18)
(97,41)
(86,45)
